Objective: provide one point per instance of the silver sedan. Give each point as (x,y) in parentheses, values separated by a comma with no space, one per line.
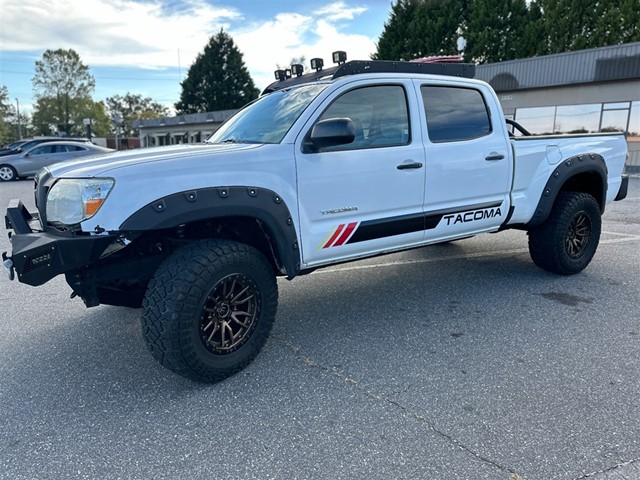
(26,164)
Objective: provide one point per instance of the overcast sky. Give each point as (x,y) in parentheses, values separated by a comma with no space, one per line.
(147,46)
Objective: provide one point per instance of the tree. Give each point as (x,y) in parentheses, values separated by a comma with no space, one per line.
(63,84)
(45,122)
(131,107)
(7,114)
(495,30)
(579,24)
(217,80)
(419,28)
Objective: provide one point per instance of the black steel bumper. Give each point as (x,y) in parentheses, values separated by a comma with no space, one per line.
(38,256)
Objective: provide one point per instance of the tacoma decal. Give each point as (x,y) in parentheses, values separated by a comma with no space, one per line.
(338,210)
(347,233)
(473,216)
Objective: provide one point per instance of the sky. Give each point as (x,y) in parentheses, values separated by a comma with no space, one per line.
(146,46)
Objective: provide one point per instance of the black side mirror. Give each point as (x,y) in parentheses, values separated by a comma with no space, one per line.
(332,132)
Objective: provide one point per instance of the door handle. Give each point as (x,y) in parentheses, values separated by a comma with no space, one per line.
(494,156)
(407,166)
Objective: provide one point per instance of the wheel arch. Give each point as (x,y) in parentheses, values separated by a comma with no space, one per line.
(260,213)
(585,173)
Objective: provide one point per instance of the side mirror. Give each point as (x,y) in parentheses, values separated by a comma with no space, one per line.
(25,155)
(332,132)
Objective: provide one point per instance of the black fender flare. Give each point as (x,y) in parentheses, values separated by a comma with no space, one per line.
(218,202)
(589,163)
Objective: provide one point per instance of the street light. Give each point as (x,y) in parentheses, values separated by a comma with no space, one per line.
(19,125)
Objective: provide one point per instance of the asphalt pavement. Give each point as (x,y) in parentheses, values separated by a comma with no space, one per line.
(459,361)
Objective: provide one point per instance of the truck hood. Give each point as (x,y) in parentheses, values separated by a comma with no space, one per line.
(103,164)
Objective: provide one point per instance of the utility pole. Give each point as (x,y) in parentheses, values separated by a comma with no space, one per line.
(19,125)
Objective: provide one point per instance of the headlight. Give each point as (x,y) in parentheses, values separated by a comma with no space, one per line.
(71,201)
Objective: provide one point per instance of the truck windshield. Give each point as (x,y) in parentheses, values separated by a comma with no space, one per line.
(268,119)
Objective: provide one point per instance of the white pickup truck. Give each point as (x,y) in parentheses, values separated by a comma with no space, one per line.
(339,164)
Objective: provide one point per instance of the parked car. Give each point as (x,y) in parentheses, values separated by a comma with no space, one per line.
(11,147)
(28,163)
(24,145)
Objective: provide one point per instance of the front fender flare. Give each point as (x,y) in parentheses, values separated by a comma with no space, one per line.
(219,202)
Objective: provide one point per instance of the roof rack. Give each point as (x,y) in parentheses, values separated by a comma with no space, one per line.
(356,67)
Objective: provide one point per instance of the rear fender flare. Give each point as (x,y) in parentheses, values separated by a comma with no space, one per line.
(562,175)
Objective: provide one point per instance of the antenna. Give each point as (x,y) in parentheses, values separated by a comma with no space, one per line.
(179,69)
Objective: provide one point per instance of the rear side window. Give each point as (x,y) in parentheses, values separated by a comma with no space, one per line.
(455,114)
(70,148)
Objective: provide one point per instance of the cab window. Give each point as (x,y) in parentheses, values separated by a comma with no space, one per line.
(379,114)
(455,114)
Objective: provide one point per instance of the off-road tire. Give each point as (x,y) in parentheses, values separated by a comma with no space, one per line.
(8,173)
(207,287)
(567,241)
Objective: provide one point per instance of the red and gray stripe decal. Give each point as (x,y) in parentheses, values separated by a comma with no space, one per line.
(347,233)
(340,235)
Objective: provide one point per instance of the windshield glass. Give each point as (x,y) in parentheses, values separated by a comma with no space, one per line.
(268,119)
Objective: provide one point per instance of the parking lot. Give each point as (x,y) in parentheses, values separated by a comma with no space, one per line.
(458,361)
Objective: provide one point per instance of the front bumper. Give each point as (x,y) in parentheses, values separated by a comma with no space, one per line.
(38,256)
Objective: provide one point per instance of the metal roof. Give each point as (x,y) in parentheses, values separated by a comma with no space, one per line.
(618,62)
(219,116)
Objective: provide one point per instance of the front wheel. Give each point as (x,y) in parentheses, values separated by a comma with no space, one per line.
(8,173)
(567,241)
(209,309)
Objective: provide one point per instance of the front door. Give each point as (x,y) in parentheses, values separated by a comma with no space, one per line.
(366,196)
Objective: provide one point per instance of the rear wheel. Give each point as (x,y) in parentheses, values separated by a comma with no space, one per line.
(8,173)
(209,309)
(567,241)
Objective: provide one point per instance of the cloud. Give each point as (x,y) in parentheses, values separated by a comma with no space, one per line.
(339,11)
(114,33)
(161,34)
(293,35)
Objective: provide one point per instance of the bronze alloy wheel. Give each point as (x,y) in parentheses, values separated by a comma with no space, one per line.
(209,308)
(229,314)
(578,235)
(567,241)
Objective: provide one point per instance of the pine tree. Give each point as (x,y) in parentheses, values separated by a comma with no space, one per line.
(420,28)
(495,30)
(217,80)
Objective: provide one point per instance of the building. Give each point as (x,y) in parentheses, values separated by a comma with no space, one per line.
(587,91)
(188,128)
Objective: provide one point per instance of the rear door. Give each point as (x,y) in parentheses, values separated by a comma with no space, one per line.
(468,159)
(366,196)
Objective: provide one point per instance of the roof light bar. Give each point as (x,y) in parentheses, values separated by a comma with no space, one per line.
(339,57)
(317,64)
(282,74)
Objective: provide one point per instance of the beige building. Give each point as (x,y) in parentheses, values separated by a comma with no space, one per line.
(190,128)
(595,90)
